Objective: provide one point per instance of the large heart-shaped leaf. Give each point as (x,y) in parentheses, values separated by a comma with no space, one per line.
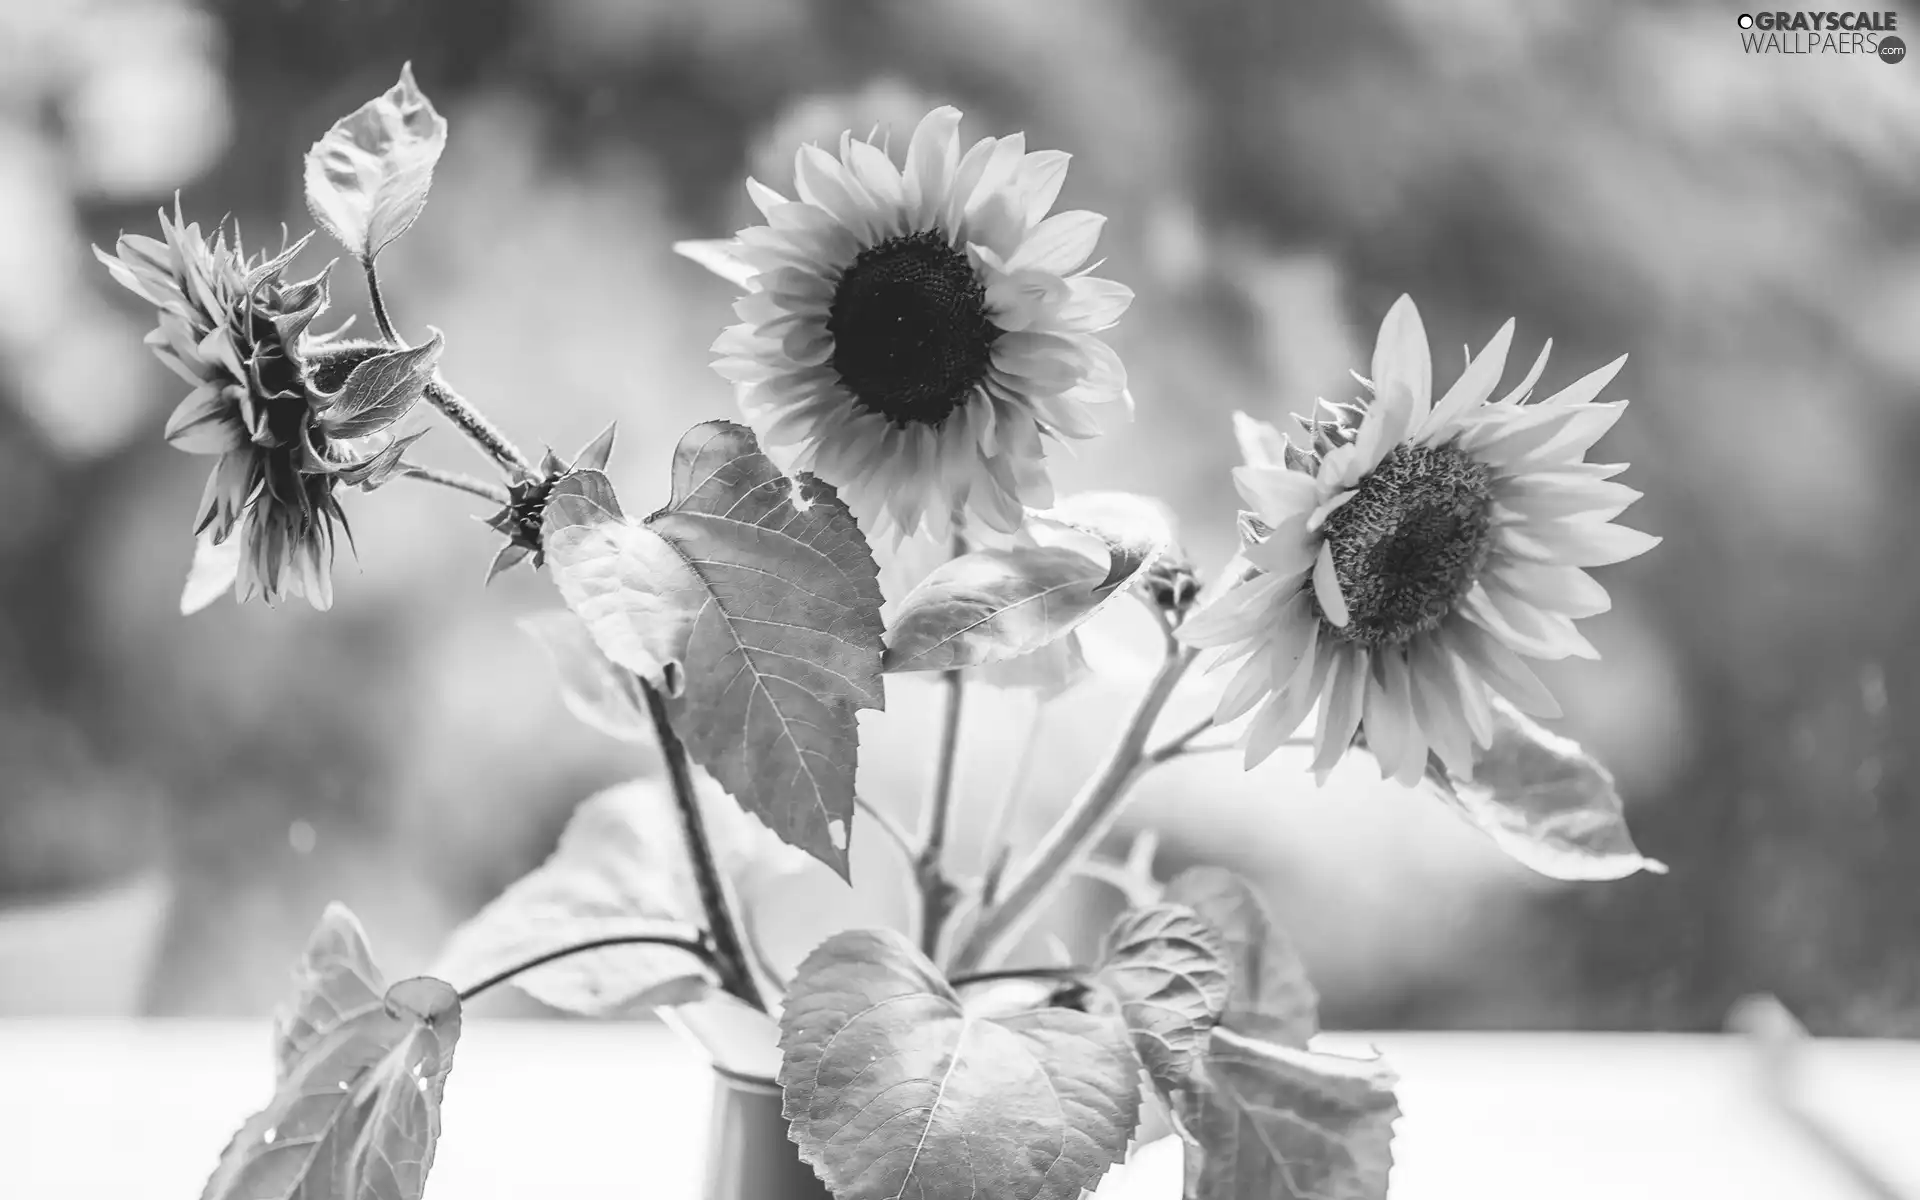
(753,602)
(359,1073)
(617,872)
(367,179)
(1270,997)
(1545,801)
(998,604)
(1276,1123)
(893,1089)
(1165,966)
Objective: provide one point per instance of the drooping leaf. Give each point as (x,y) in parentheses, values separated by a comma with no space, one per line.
(995,605)
(367,179)
(1270,1122)
(637,595)
(1166,967)
(380,390)
(359,1072)
(598,693)
(752,601)
(1134,530)
(1270,997)
(1545,801)
(618,871)
(893,1089)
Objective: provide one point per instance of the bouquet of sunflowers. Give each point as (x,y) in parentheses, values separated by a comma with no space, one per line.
(914,333)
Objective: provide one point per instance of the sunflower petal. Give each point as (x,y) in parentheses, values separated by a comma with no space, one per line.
(1326,588)
(1401,358)
(1473,387)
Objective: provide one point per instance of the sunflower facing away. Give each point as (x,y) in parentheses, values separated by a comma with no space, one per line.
(267,399)
(1404,562)
(918,334)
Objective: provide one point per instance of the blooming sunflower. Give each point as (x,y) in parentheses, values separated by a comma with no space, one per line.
(919,334)
(289,415)
(1404,562)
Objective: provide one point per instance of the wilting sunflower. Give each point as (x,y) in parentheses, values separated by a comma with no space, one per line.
(919,334)
(1405,560)
(288,414)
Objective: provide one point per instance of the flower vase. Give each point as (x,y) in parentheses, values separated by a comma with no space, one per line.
(749,1155)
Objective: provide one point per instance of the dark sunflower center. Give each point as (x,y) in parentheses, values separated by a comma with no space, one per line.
(911,335)
(1409,543)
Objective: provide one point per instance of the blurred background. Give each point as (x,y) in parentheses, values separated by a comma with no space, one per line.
(180,796)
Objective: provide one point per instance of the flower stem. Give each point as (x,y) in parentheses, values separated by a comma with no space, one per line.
(736,975)
(937,892)
(693,946)
(379,303)
(457,481)
(959,981)
(1177,744)
(484,433)
(1075,834)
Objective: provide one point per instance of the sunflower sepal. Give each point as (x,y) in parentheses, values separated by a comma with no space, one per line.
(329,364)
(305,302)
(382,467)
(379,390)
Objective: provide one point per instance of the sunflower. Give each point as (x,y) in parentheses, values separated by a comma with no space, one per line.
(919,335)
(1404,561)
(271,400)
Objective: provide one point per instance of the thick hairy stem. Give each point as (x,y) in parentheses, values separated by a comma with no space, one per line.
(456,480)
(1080,828)
(736,973)
(698,949)
(483,433)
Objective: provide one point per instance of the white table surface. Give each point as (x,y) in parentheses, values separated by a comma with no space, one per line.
(139,1110)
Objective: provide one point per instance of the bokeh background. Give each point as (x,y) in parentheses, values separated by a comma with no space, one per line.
(180,796)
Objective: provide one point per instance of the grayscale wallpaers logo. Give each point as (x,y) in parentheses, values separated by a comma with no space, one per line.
(1862,33)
